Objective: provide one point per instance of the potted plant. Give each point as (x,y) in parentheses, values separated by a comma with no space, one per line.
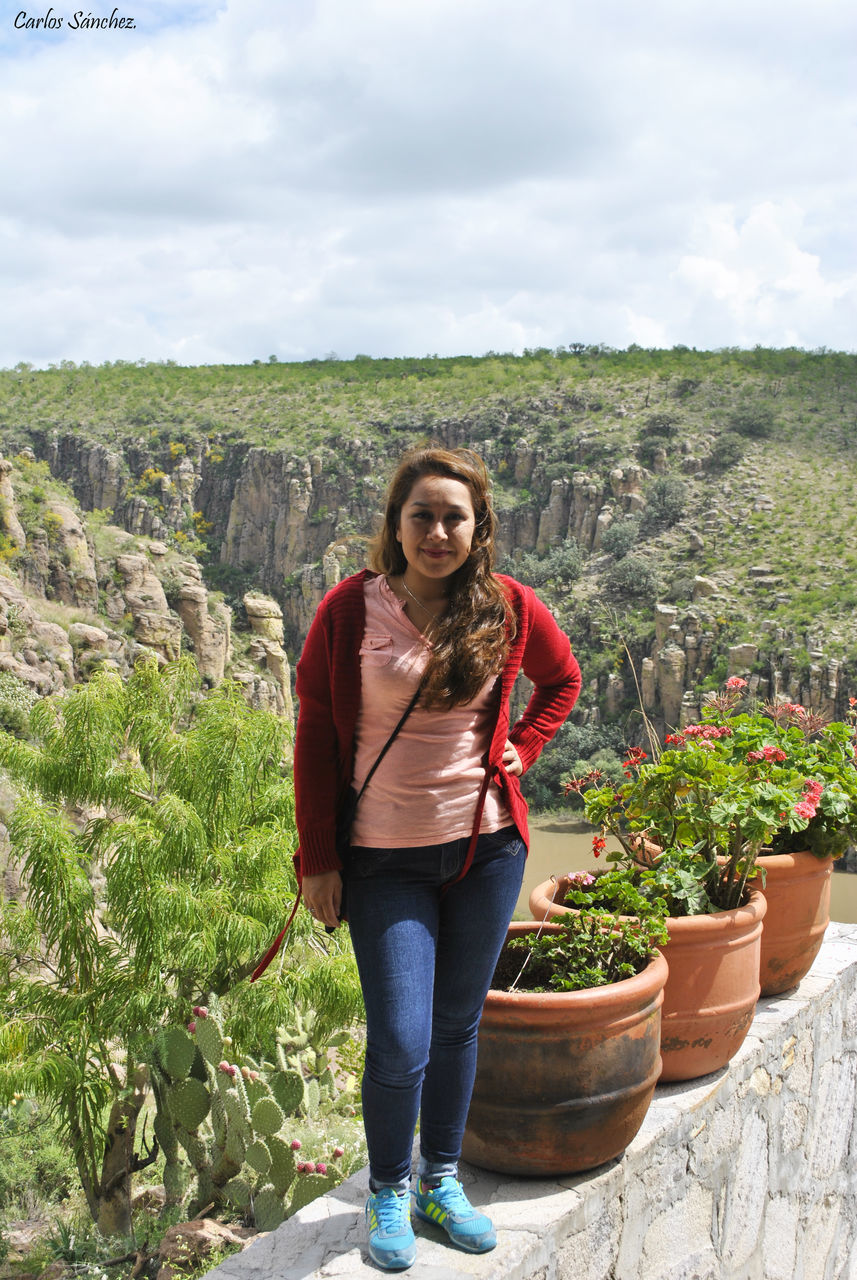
(713,955)
(693,824)
(796,757)
(569,1045)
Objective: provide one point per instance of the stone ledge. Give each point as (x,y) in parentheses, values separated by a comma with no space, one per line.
(748,1173)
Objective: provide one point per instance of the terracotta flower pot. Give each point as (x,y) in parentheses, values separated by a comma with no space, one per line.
(713,985)
(797,891)
(564,1079)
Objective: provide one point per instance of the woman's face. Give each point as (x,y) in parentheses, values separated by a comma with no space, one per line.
(436,526)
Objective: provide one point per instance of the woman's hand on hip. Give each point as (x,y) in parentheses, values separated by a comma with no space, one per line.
(511,760)
(323,897)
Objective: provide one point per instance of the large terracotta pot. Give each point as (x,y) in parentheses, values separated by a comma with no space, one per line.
(564,1079)
(797,891)
(713,985)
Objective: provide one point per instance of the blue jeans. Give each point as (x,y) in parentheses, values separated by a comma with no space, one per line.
(426,957)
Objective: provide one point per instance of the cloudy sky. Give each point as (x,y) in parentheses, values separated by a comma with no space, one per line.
(234,179)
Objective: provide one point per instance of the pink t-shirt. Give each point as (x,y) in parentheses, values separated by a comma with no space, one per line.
(425,789)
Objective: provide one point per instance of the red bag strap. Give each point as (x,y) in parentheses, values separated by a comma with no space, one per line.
(276,944)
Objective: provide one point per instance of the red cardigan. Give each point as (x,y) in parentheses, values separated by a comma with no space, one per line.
(328,687)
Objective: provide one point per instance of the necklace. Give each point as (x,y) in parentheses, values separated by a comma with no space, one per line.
(417,600)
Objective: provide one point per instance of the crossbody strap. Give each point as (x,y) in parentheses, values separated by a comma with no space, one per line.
(277,943)
(386,747)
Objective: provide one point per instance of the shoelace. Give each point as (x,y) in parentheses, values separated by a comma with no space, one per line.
(391,1211)
(450,1196)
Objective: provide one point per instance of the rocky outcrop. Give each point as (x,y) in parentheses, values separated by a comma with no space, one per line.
(208,625)
(139,517)
(72,564)
(37,652)
(97,475)
(10,525)
(266,620)
(155,625)
(682,658)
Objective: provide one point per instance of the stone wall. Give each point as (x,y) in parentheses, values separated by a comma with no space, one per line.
(747,1174)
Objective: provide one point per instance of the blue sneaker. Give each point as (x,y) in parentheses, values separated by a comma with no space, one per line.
(448,1207)
(391,1238)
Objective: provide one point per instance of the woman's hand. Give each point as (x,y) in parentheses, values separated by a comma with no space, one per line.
(323,897)
(511,760)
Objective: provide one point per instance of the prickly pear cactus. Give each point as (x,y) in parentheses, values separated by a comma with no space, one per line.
(231,1118)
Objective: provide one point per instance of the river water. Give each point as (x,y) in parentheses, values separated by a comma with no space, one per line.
(556,851)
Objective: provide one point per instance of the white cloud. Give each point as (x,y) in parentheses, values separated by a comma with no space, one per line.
(761,277)
(234,179)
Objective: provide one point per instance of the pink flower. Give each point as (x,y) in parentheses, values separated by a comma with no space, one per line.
(805,809)
(813,789)
(707,746)
(735,682)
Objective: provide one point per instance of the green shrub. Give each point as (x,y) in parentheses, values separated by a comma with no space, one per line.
(666,501)
(562,565)
(662,424)
(728,449)
(618,540)
(632,577)
(753,418)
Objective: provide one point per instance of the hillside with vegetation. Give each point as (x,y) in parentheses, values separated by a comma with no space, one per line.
(688,514)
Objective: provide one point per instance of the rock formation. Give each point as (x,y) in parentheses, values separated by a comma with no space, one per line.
(207,625)
(266,620)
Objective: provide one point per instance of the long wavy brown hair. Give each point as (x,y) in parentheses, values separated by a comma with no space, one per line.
(471,640)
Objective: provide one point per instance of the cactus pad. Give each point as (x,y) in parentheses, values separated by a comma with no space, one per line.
(235,1148)
(267,1117)
(237,1111)
(308,1187)
(176,1052)
(289,1090)
(268,1209)
(166,1135)
(313,1097)
(283,1170)
(237,1192)
(189,1102)
(258,1157)
(209,1040)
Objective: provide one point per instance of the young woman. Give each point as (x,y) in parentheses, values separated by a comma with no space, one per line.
(439,838)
